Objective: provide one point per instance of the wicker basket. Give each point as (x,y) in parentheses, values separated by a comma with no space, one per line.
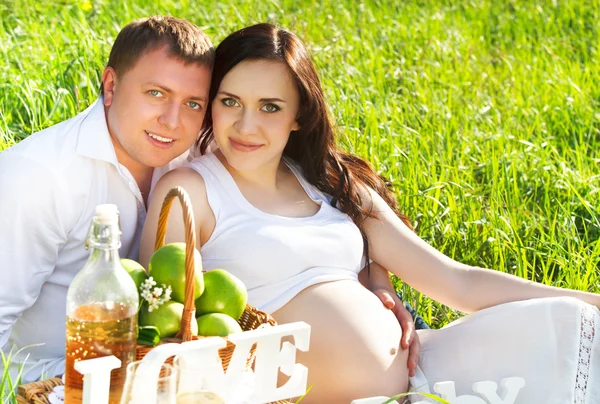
(251,318)
(37,392)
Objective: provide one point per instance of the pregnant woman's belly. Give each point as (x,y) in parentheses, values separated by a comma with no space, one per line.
(355,347)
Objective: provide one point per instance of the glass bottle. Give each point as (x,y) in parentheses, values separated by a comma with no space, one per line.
(102,304)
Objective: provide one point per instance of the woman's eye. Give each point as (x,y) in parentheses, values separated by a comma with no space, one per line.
(229,102)
(194,105)
(155,93)
(270,108)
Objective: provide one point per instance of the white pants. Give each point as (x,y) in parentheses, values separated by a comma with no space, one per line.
(554,344)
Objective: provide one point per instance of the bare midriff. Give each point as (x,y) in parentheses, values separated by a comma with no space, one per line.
(355,347)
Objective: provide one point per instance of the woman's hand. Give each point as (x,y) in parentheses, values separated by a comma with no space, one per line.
(379,283)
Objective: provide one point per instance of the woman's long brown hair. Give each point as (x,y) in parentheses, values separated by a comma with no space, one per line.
(326,166)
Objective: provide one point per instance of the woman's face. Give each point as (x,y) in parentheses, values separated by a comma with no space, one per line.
(254,112)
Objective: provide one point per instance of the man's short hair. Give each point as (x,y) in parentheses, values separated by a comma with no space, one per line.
(185,41)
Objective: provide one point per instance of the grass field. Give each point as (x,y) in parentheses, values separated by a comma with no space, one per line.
(484,114)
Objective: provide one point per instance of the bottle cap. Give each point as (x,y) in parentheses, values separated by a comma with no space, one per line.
(107,213)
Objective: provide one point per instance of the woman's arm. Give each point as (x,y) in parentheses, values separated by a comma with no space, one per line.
(463,287)
(204,218)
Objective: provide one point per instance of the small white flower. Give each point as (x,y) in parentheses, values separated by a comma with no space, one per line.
(155,296)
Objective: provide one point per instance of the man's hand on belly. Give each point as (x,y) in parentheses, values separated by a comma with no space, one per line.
(378,282)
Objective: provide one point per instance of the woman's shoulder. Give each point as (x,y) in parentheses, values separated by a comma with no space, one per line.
(198,161)
(194,197)
(185,174)
(185,177)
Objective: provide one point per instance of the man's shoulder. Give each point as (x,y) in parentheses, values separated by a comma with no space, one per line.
(52,146)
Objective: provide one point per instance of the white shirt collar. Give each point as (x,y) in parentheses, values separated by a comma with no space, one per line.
(94,138)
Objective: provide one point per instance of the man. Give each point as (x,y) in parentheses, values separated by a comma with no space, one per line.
(154,96)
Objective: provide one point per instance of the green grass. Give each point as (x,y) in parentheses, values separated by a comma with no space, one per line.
(484,114)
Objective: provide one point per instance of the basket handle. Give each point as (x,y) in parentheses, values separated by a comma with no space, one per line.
(189,309)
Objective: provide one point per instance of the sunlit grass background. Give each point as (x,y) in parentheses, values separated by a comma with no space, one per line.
(484,114)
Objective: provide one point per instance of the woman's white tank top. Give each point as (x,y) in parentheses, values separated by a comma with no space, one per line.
(275,256)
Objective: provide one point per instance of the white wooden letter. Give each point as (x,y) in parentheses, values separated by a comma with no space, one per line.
(270,358)
(447,391)
(96,378)
(511,387)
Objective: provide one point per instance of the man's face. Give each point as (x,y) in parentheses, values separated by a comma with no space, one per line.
(155,110)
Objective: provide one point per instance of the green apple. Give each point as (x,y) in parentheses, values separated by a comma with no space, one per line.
(217,324)
(223,293)
(167,318)
(135,270)
(167,265)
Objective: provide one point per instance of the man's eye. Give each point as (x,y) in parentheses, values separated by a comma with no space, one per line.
(270,108)
(155,93)
(229,102)
(194,105)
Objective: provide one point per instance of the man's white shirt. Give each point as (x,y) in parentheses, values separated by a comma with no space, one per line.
(50,185)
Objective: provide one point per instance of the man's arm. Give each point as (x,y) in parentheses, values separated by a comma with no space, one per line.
(31,234)
(378,282)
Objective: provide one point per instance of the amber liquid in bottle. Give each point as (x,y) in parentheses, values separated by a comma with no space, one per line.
(94,332)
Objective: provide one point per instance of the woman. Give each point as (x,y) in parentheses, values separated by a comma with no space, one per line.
(264,209)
